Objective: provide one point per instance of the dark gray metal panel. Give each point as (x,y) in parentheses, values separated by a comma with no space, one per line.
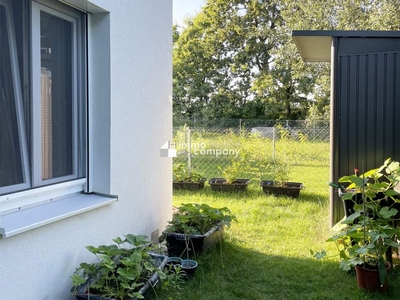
(362,45)
(367,106)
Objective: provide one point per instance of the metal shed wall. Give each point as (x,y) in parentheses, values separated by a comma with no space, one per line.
(366,106)
(365,97)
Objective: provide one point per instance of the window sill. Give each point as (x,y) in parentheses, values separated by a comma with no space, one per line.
(29,218)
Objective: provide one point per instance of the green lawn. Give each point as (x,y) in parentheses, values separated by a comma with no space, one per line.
(266,254)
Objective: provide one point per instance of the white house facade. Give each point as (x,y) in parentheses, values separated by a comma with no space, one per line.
(85,106)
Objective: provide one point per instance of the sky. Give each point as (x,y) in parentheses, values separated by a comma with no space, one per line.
(182,8)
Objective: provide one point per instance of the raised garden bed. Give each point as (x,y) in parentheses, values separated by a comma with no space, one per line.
(183,245)
(221,184)
(291,189)
(188,185)
(160,262)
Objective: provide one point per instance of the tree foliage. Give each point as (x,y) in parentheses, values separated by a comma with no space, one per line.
(236,58)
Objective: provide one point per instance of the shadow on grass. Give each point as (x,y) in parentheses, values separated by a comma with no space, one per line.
(231,272)
(255,192)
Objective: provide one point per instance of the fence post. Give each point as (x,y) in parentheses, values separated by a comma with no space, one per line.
(273,141)
(189,147)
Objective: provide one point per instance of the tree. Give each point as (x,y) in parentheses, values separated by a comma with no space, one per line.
(236,58)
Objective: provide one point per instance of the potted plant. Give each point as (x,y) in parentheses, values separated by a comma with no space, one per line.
(195,227)
(279,184)
(368,233)
(124,270)
(229,182)
(183,178)
(278,170)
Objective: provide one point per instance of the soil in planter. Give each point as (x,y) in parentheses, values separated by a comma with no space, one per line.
(291,189)
(220,184)
(190,186)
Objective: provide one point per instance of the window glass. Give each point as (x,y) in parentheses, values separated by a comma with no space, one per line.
(11,171)
(42,94)
(56,96)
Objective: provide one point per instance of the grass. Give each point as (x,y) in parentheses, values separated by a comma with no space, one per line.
(266,254)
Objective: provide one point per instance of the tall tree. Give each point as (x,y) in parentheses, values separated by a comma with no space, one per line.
(236,58)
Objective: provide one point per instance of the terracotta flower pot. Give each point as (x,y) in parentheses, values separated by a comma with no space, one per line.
(368,279)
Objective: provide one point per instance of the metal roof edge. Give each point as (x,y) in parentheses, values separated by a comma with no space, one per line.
(347,33)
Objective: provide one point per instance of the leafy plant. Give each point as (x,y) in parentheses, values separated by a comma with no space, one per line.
(175,278)
(279,171)
(122,268)
(369,232)
(182,174)
(194,218)
(232,171)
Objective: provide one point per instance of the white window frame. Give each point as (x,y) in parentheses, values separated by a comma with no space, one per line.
(38,206)
(36,95)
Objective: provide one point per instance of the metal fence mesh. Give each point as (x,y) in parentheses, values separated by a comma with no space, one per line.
(210,150)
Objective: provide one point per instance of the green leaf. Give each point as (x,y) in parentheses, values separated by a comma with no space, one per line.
(382,271)
(136,240)
(392,243)
(344,266)
(92,249)
(77,280)
(318,255)
(350,219)
(118,241)
(387,212)
(391,193)
(125,285)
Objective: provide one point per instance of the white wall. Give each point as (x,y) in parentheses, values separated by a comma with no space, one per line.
(132,64)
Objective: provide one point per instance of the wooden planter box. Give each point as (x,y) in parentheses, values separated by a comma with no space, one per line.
(191,186)
(198,243)
(159,260)
(291,189)
(220,184)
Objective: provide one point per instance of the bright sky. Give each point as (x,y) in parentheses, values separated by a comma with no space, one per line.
(183,8)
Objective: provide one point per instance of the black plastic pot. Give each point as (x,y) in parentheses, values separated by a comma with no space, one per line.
(291,189)
(174,261)
(159,260)
(181,245)
(191,186)
(221,184)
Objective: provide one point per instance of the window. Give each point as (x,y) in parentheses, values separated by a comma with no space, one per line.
(43,108)
(42,95)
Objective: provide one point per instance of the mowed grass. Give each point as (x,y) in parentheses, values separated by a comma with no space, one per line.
(266,254)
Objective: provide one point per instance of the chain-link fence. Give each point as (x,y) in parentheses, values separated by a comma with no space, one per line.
(248,150)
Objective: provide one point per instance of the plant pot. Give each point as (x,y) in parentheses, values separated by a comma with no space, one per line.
(368,279)
(159,260)
(197,243)
(220,184)
(291,189)
(189,266)
(172,263)
(191,186)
